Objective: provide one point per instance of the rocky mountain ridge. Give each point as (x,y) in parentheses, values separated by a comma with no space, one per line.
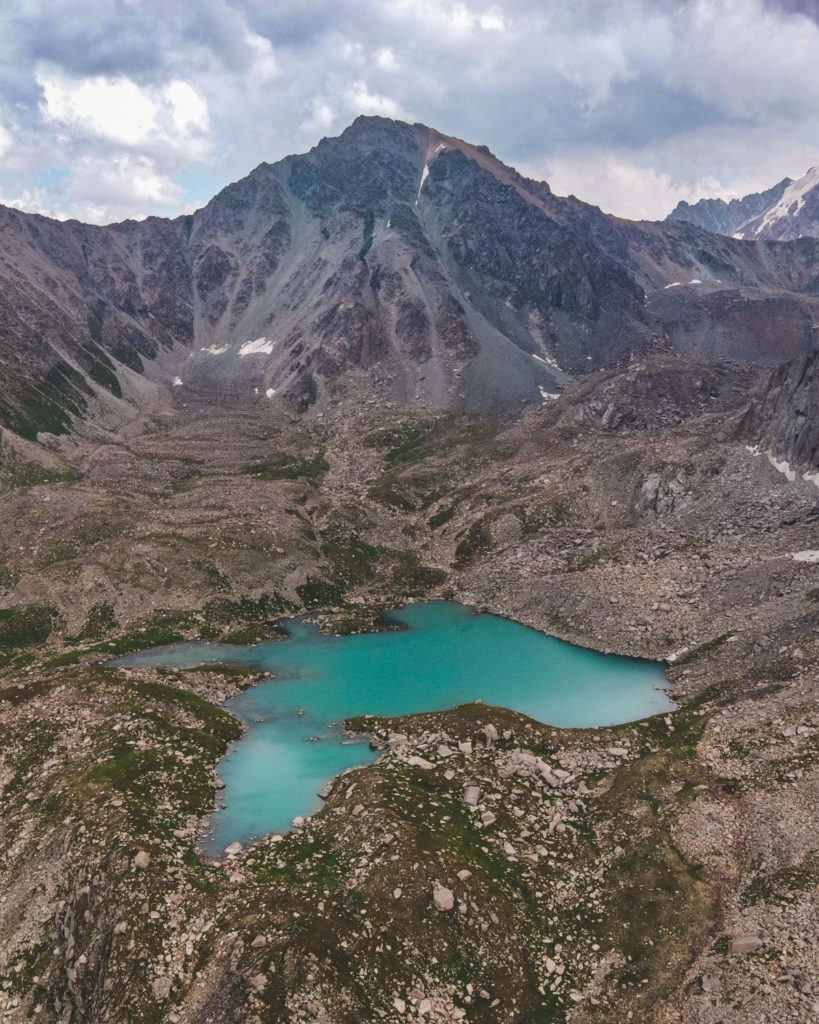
(788,210)
(727,218)
(392,256)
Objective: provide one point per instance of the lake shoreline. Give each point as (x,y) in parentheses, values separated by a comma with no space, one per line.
(444,652)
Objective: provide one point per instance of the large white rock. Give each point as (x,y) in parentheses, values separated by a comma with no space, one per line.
(442,898)
(471,796)
(161,987)
(745,943)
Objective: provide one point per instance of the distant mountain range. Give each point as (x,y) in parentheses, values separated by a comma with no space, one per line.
(392,261)
(787,211)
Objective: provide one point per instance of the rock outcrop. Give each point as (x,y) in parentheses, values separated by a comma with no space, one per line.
(785,420)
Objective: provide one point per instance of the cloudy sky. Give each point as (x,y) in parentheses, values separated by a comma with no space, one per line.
(122,108)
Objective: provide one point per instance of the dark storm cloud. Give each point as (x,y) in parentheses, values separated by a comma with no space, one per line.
(124,107)
(809,8)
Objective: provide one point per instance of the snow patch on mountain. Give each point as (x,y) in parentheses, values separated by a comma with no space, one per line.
(425,171)
(547,396)
(783,466)
(792,201)
(805,556)
(546,360)
(261,346)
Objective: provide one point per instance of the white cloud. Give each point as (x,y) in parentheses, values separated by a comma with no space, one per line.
(462,17)
(116,109)
(746,59)
(263,66)
(152,131)
(715,162)
(362,101)
(619,185)
(385,59)
(491,22)
(123,112)
(320,118)
(189,111)
(102,190)
(5,140)
(33,200)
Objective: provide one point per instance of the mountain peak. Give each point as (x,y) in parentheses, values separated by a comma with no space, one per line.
(788,210)
(392,257)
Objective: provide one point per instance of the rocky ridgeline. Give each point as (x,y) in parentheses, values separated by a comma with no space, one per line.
(393,258)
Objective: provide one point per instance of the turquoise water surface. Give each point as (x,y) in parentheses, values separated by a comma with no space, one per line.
(446,655)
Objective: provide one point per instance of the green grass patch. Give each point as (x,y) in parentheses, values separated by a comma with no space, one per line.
(27,626)
(475,541)
(393,492)
(351,558)
(221,611)
(160,631)
(412,578)
(19,473)
(411,442)
(100,622)
(441,518)
(289,467)
(709,647)
(782,885)
(315,593)
(214,577)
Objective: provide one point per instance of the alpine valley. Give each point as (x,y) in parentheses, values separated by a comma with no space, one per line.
(389,370)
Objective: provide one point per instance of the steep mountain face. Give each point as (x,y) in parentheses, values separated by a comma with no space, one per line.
(788,210)
(729,218)
(83,309)
(390,262)
(795,215)
(785,422)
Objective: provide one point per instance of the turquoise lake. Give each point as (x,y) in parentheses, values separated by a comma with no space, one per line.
(446,655)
